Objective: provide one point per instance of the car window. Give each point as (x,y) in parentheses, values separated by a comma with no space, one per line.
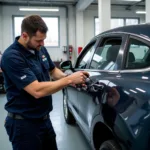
(106,54)
(138,55)
(83,61)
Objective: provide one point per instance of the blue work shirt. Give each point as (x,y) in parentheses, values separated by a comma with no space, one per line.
(20,68)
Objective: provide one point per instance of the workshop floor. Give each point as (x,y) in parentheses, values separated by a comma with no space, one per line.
(68,137)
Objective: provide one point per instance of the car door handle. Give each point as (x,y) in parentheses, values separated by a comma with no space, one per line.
(80,88)
(96,87)
(93,86)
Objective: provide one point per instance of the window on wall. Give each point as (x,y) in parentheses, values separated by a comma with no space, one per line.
(117,22)
(131,21)
(96,26)
(52,34)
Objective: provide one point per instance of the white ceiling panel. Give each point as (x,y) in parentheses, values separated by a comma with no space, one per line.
(73,2)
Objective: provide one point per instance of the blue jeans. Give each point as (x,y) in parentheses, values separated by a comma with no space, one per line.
(31,134)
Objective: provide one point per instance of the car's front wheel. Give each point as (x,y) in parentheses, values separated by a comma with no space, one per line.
(67,114)
(2,88)
(109,145)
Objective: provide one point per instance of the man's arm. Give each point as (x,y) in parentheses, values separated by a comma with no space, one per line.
(41,89)
(24,78)
(57,74)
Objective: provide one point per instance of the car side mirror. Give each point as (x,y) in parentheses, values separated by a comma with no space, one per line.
(65,65)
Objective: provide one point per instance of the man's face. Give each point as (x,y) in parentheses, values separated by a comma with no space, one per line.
(35,42)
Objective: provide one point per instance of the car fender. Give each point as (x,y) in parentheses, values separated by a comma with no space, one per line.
(95,120)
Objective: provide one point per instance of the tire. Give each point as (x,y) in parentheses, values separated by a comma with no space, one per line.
(3,89)
(67,114)
(109,145)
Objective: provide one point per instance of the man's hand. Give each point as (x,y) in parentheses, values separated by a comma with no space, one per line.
(78,77)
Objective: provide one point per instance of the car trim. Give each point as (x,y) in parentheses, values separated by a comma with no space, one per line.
(140,29)
(137,35)
(135,70)
(96,70)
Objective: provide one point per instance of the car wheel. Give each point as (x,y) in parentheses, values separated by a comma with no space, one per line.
(109,145)
(2,89)
(67,114)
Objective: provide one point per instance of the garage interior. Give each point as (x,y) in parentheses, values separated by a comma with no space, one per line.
(75,22)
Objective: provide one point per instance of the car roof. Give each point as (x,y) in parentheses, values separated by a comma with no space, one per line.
(140,29)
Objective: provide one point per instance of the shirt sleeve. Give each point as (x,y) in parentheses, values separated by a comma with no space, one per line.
(17,70)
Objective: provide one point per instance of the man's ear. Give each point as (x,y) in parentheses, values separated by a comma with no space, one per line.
(25,36)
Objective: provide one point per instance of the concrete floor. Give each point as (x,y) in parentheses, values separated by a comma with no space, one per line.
(68,137)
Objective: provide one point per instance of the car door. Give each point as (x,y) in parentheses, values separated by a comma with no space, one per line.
(103,64)
(83,61)
(132,121)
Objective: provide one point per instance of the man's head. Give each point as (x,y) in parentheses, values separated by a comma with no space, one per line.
(33,32)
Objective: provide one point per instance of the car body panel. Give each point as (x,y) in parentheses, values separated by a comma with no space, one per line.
(90,102)
(133,107)
(72,99)
(127,118)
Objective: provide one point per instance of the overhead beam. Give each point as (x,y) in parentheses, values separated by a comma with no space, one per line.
(83,4)
(37,2)
(134,4)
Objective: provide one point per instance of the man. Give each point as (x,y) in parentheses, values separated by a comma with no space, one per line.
(26,65)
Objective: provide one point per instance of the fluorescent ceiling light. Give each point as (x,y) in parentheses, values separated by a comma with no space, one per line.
(132,0)
(38,8)
(141,12)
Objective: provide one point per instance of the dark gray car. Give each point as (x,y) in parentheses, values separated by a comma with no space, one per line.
(113,110)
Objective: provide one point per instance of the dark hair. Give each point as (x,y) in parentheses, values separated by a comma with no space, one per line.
(32,24)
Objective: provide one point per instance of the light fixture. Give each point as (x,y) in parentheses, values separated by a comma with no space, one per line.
(133,91)
(141,90)
(145,78)
(140,12)
(38,8)
(132,0)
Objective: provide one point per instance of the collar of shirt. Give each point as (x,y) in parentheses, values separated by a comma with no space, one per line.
(23,50)
(32,51)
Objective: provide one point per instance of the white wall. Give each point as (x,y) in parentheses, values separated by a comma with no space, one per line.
(121,12)
(72,29)
(147,3)
(1,29)
(79,28)
(92,12)
(89,16)
(7,36)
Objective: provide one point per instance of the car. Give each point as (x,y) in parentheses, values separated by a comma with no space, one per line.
(113,109)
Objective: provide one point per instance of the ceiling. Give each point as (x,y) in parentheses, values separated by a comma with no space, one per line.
(124,2)
(128,4)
